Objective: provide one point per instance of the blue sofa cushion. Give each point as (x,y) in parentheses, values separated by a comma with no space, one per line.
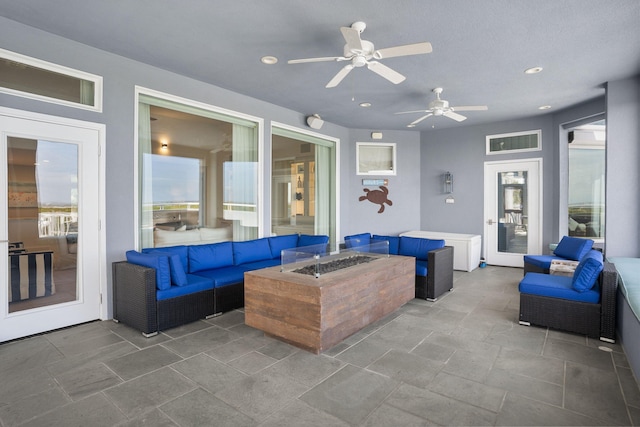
(213,255)
(587,271)
(315,243)
(548,285)
(178,271)
(394,242)
(421,268)
(418,247)
(280,243)
(195,284)
(573,248)
(356,240)
(158,261)
(542,261)
(261,264)
(251,251)
(224,275)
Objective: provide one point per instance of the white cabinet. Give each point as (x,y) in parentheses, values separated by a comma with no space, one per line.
(466,247)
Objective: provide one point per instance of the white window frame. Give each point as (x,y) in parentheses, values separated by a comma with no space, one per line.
(537,132)
(49,66)
(393,159)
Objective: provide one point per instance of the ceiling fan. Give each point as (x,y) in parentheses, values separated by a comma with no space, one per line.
(361,52)
(440,107)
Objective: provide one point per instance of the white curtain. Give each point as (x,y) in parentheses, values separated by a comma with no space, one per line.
(145,171)
(87,92)
(245,150)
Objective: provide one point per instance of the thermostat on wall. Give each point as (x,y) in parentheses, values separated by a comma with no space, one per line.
(375,182)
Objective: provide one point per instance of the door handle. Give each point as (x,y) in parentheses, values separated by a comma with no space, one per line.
(490,222)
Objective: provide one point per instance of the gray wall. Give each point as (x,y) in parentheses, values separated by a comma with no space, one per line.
(623,171)
(404,188)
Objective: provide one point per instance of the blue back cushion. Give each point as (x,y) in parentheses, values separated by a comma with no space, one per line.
(280,243)
(251,251)
(394,242)
(309,240)
(573,248)
(206,257)
(587,271)
(153,260)
(418,247)
(178,262)
(356,240)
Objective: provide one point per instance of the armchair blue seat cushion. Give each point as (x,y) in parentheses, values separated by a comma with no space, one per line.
(587,271)
(159,261)
(251,251)
(207,257)
(277,244)
(573,248)
(223,276)
(553,286)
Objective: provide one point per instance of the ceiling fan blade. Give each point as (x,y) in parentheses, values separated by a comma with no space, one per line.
(415,111)
(324,59)
(415,122)
(341,75)
(352,37)
(386,72)
(405,50)
(470,108)
(455,116)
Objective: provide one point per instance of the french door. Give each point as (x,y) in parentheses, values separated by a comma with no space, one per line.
(513,211)
(49,223)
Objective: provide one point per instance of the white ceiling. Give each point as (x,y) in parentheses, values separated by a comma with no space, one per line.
(480,50)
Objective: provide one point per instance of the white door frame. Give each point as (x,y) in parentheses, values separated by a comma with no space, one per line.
(99,130)
(534,224)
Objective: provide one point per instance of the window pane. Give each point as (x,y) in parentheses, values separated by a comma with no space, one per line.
(198,176)
(510,142)
(26,78)
(587,182)
(303,184)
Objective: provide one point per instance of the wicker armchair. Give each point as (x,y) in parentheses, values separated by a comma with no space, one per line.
(594,320)
(439,277)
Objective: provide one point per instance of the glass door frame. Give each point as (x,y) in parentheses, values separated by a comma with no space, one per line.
(533,167)
(19,324)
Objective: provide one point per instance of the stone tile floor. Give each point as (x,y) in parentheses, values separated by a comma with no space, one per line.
(462,360)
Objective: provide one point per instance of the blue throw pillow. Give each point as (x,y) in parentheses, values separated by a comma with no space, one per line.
(573,248)
(587,271)
(356,240)
(178,273)
(394,242)
(207,257)
(251,251)
(181,250)
(153,260)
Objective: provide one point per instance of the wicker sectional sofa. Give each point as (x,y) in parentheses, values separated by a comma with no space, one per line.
(161,288)
(434,260)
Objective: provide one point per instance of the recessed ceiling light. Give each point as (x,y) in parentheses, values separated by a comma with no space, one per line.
(365,104)
(533,70)
(269,60)
(544,107)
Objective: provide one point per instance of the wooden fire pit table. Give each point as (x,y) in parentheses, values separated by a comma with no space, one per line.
(317,313)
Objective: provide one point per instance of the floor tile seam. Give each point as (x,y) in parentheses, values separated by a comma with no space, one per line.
(188,334)
(624,395)
(84,356)
(60,346)
(383,402)
(559,384)
(261,370)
